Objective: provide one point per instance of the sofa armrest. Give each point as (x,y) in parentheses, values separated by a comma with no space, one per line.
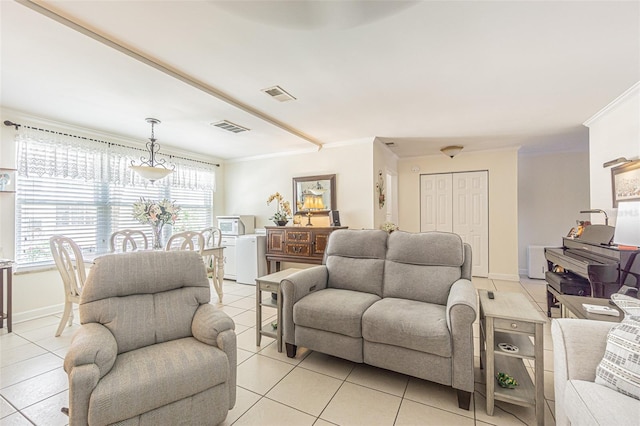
(93,343)
(294,288)
(92,353)
(208,322)
(578,348)
(461,312)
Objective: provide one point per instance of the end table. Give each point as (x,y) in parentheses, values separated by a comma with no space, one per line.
(510,320)
(270,283)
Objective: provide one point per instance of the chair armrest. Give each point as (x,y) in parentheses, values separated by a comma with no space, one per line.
(92,353)
(209,322)
(462,303)
(461,312)
(294,288)
(578,347)
(92,344)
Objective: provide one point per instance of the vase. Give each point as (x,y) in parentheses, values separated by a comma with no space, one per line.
(157,236)
(281,222)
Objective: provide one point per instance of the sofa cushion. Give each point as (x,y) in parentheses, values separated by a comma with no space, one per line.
(620,366)
(334,310)
(355,260)
(135,386)
(588,403)
(408,324)
(426,248)
(423,266)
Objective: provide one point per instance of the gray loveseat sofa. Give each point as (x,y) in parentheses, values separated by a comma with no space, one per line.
(403,302)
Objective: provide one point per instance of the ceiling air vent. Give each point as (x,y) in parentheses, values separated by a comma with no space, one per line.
(278,93)
(229,126)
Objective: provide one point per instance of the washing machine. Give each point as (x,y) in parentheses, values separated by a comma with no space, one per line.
(251,262)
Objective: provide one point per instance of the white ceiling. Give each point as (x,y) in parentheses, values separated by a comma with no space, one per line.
(481,74)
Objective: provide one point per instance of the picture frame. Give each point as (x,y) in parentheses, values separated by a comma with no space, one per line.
(322,187)
(625,182)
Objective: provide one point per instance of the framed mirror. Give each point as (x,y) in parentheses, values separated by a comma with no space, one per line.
(316,194)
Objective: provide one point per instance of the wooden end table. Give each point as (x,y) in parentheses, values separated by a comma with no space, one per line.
(512,319)
(271,284)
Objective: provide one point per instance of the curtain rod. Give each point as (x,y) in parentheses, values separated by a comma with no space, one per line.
(17,126)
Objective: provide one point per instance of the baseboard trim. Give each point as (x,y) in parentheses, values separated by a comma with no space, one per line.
(504,277)
(37,313)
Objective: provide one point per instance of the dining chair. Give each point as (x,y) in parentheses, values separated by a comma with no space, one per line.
(68,258)
(128,240)
(212,236)
(187,240)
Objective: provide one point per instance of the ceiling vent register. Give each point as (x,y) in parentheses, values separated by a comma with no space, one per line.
(229,126)
(278,93)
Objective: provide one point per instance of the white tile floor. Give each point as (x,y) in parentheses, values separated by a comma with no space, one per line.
(312,389)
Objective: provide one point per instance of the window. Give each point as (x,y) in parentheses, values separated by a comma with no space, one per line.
(85,190)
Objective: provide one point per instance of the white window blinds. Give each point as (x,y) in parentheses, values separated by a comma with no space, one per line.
(84,189)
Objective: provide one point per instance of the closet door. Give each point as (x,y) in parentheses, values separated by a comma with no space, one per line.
(436,203)
(471,216)
(459,203)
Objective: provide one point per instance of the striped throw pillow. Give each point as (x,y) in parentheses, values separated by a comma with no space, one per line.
(620,366)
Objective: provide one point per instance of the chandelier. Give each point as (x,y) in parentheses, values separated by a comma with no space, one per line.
(152,169)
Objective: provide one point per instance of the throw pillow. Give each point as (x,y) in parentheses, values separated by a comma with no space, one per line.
(620,366)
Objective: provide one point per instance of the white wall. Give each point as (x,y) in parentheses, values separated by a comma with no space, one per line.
(503,200)
(249,183)
(552,189)
(613,132)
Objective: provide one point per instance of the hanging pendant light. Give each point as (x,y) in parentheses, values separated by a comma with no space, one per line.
(152,169)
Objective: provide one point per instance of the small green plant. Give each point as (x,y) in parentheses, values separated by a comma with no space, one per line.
(506,381)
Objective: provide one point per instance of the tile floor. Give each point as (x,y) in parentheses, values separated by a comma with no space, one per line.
(312,389)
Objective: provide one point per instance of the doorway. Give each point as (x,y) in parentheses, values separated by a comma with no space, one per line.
(459,203)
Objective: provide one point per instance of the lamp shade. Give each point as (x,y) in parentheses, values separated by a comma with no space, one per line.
(151,173)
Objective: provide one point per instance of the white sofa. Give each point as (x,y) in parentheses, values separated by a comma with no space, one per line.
(578,347)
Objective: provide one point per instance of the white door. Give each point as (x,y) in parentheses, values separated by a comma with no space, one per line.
(470,219)
(435,203)
(458,202)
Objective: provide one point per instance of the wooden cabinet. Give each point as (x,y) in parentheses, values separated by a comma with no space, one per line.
(297,244)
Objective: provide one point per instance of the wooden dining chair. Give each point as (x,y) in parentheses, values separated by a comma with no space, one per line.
(128,240)
(212,236)
(68,258)
(187,240)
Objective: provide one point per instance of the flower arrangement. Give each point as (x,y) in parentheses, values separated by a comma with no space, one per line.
(155,212)
(283,208)
(389,227)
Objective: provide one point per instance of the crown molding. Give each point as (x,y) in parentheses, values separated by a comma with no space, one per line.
(612,105)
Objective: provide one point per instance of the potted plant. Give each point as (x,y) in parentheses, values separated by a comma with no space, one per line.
(283,209)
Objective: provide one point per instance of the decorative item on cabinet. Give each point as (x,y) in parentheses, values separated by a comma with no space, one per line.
(283,209)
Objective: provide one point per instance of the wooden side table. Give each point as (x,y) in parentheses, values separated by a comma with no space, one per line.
(6,269)
(271,284)
(510,318)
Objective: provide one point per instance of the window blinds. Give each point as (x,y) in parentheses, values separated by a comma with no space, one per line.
(85,190)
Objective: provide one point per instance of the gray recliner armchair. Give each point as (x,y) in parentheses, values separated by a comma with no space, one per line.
(151,349)
(403,302)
